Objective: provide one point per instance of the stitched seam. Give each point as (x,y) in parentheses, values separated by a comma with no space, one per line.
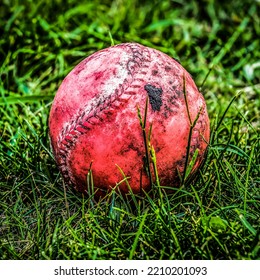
(84,120)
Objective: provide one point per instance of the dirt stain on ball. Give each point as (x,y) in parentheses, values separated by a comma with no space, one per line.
(155,96)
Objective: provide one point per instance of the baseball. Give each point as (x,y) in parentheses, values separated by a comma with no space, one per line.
(94,121)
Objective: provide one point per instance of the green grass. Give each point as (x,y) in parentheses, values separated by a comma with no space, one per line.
(216,216)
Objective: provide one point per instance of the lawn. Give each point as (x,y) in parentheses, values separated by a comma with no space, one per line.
(214,216)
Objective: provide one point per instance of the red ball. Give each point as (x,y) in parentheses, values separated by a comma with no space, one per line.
(94,119)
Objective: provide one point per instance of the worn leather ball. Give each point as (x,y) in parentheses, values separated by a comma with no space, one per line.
(94,122)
